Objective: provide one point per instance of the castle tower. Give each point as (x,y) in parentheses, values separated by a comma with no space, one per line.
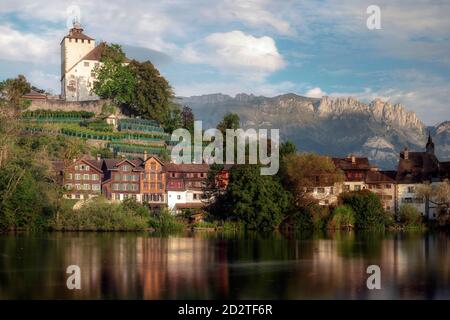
(74,47)
(430,144)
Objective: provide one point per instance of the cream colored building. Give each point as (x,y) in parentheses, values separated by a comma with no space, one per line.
(79,57)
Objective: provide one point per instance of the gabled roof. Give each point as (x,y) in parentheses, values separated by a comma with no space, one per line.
(360,163)
(113,164)
(97,165)
(155,158)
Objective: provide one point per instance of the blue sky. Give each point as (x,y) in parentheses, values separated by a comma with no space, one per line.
(263,47)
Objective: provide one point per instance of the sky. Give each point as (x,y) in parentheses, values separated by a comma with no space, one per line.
(264,47)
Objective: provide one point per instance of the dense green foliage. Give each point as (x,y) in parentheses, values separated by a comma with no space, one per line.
(410,216)
(369,212)
(99,214)
(258,201)
(343,217)
(137,87)
(164,221)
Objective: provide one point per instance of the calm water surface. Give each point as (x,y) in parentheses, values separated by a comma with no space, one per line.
(225,266)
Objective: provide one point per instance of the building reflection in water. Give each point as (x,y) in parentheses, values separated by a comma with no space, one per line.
(215,266)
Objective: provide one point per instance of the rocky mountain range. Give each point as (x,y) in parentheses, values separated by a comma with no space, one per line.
(331,126)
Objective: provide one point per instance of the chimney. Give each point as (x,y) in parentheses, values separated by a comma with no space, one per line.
(406,154)
(99,157)
(145,155)
(353,159)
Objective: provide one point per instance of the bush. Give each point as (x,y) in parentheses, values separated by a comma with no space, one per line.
(164,221)
(410,216)
(310,217)
(343,217)
(100,215)
(369,212)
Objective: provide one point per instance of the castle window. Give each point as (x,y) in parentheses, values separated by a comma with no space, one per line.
(86,64)
(82,40)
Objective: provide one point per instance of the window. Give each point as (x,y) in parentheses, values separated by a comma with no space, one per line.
(96,187)
(407,200)
(77,176)
(160,186)
(69,176)
(86,186)
(347,187)
(153,167)
(126,168)
(123,187)
(411,189)
(320,190)
(95,176)
(78,186)
(178,197)
(86,64)
(388,186)
(357,188)
(115,186)
(86,177)
(76,168)
(117,176)
(69,186)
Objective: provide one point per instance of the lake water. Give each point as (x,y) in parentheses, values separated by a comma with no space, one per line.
(225,266)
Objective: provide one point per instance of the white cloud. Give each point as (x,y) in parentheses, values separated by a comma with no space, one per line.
(236,52)
(315,93)
(20,46)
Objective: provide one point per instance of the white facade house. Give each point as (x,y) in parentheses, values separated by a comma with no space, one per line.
(176,197)
(79,57)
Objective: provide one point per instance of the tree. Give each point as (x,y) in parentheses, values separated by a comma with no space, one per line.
(114,79)
(187,119)
(369,212)
(305,171)
(258,201)
(137,87)
(437,194)
(410,216)
(230,121)
(287,148)
(12,104)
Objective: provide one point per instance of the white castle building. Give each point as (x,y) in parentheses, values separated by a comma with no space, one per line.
(79,57)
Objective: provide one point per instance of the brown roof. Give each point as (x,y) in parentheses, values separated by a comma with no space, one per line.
(381,176)
(77,33)
(419,167)
(187,167)
(347,164)
(96,53)
(112,164)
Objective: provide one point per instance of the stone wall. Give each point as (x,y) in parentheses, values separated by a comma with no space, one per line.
(49,104)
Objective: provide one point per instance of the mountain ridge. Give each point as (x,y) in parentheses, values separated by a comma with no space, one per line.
(329,125)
